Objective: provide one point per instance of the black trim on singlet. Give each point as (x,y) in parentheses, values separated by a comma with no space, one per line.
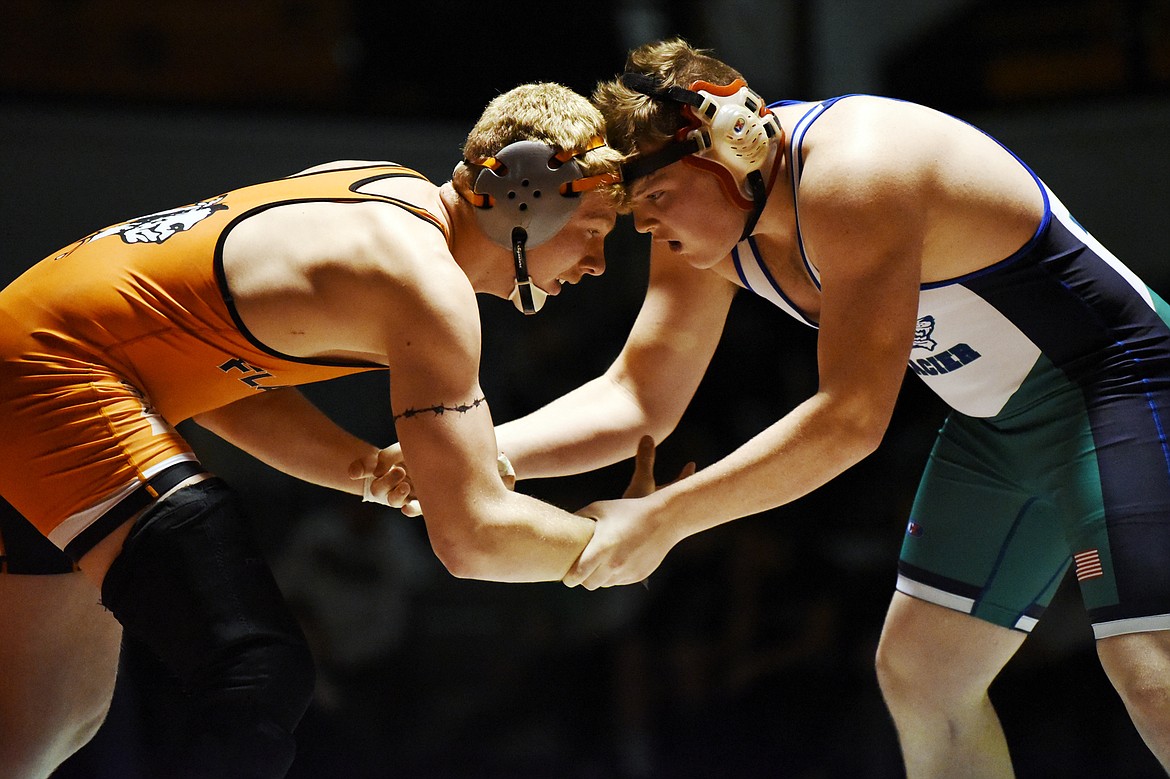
(1101,332)
(142,496)
(948,585)
(221,276)
(418,211)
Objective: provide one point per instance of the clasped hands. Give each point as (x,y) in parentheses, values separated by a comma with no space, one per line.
(628,542)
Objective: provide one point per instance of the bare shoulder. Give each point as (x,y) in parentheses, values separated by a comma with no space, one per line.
(343,279)
(862,142)
(869,177)
(863,136)
(397,274)
(893,178)
(887,164)
(328,237)
(342,165)
(874,118)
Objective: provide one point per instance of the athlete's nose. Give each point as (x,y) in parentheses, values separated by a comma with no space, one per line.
(645,224)
(593,263)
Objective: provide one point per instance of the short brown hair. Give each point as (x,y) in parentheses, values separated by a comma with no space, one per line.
(633,120)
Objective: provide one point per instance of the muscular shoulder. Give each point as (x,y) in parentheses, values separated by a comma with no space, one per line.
(342,165)
(878,161)
(399,274)
(344,278)
(864,149)
(887,175)
(389,236)
(870,177)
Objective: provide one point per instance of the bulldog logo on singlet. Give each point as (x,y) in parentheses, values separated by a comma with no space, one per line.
(156,228)
(945,361)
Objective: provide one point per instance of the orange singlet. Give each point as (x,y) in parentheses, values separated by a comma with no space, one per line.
(107,344)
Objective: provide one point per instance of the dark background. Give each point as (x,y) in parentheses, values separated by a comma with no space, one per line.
(750,652)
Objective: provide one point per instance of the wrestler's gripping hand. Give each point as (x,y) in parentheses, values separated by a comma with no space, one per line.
(386,481)
(629,541)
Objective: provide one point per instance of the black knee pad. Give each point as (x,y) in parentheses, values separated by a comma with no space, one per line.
(191,585)
(24,550)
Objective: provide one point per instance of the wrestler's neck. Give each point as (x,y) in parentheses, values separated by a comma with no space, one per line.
(487,266)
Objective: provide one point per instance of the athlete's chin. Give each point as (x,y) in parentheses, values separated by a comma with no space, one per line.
(694,256)
(700,260)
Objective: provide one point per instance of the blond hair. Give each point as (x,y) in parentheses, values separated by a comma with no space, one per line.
(545,112)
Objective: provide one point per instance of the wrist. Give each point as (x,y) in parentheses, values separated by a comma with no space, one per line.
(662,513)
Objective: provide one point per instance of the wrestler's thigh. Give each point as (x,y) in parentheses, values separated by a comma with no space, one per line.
(947,653)
(59,658)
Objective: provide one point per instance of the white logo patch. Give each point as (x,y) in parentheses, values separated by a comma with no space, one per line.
(156,228)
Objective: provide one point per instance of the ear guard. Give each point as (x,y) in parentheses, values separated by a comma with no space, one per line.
(523,196)
(729,132)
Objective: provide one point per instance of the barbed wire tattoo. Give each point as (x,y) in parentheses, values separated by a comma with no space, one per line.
(440,410)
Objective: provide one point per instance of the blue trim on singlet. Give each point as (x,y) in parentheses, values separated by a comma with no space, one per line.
(739,267)
(1116,326)
(1152,403)
(796,169)
(791,307)
(1003,550)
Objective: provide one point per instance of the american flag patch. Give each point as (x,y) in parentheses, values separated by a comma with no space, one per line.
(1088,565)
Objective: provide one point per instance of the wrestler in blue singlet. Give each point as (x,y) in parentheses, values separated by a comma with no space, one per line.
(1056,364)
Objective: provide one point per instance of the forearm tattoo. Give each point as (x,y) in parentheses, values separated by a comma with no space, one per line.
(440,410)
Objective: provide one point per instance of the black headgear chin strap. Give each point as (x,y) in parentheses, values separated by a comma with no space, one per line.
(523,282)
(653,87)
(755,180)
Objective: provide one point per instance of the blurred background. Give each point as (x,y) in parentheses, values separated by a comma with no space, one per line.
(750,653)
